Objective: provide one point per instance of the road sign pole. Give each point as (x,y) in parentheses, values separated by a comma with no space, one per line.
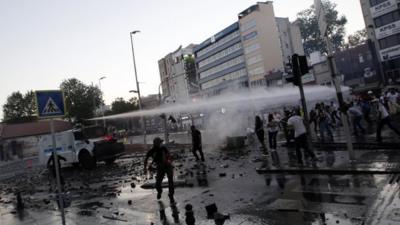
(304,106)
(332,66)
(55,164)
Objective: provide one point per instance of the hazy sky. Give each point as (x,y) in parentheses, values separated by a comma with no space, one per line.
(43,42)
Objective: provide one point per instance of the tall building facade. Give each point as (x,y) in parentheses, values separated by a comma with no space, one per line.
(382,20)
(176,80)
(261,44)
(220,62)
(249,53)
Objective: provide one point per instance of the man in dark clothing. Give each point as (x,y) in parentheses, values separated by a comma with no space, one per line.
(52,167)
(196,143)
(163,162)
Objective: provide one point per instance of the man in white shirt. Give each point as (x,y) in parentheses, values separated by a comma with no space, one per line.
(300,134)
(392,97)
(384,119)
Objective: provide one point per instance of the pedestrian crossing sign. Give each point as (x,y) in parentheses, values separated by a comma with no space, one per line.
(50,104)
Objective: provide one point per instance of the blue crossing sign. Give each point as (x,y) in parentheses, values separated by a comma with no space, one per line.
(50,104)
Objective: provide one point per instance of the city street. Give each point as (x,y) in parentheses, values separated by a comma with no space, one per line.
(250,188)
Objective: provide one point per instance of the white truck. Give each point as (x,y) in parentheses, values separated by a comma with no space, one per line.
(82,147)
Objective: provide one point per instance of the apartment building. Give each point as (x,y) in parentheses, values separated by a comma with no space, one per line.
(382,20)
(176,81)
(220,62)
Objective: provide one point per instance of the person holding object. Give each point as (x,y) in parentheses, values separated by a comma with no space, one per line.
(163,163)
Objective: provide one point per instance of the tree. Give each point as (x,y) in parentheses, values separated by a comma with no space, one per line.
(312,39)
(356,39)
(80,100)
(119,105)
(20,108)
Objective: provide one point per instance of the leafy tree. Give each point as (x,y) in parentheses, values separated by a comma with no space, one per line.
(81,100)
(358,38)
(20,108)
(190,70)
(312,39)
(119,105)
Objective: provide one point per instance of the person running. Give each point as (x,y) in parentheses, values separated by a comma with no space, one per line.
(196,143)
(273,128)
(384,119)
(300,134)
(163,162)
(259,129)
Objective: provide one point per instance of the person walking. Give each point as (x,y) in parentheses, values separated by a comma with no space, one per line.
(259,129)
(196,143)
(163,163)
(384,119)
(300,134)
(273,128)
(357,116)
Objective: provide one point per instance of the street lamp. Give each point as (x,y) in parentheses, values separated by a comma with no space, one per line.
(102,105)
(137,82)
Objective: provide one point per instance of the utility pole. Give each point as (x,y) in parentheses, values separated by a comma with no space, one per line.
(323,27)
(137,85)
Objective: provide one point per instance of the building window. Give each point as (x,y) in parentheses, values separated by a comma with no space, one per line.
(252,48)
(257,71)
(220,55)
(248,25)
(223,66)
(376,2)
(389,41)
(254,60)
(231,76)
(387,18)
(250,36)
(220,42)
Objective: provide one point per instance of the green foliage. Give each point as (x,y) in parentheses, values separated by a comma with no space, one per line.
(81,100)
(119,105)
(310,33)
(356,39)
(20,108)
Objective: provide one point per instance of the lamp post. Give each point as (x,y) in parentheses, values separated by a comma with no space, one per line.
(102,106)
(137,83)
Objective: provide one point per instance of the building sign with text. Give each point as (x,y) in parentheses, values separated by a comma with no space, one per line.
(384,7)
(388,30)
(390,53)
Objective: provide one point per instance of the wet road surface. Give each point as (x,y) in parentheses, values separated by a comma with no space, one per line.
(113,194)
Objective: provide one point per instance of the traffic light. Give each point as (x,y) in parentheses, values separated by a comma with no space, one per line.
(298,68)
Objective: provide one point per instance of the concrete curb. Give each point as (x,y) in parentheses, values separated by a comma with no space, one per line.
(328,171)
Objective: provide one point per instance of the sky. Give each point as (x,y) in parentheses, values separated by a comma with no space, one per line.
(43,42)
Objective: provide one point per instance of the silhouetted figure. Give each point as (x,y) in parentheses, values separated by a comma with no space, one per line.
(163,162)
(196,143)
(273,128)
(190,220)
(259,129)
